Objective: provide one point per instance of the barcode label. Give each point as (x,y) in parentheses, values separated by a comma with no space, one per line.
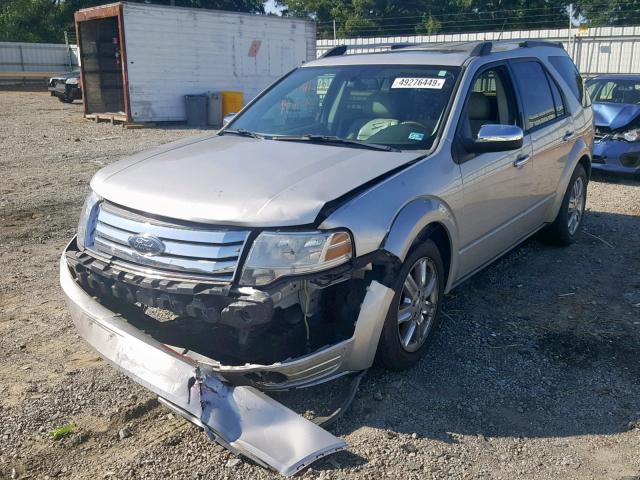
(415,82)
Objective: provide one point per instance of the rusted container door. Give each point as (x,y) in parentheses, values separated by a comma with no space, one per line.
(102,54)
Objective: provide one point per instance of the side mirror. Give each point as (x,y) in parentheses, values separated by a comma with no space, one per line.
(496,138)
(227,118)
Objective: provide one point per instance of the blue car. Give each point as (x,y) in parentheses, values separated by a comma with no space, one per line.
(616,108)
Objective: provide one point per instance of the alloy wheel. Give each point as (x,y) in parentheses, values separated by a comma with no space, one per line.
(576,206)
(418,304)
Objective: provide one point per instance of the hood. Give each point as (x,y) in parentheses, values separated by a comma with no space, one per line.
(615,115)
(233,180)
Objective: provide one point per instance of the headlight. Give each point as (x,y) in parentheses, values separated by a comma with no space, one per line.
(72,81)
(276,254)
(629,135)
(88,219)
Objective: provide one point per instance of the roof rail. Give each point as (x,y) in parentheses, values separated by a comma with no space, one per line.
(540,43)
(481,49)
(335,51)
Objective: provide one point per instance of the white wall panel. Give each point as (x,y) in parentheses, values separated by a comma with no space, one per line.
(37,57)
(172,52)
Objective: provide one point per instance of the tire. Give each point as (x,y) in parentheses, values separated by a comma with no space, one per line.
(566,227)
(394,352)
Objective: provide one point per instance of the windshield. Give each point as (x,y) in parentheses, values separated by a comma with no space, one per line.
(615,91)
(400,106)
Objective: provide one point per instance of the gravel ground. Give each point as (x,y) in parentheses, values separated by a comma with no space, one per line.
(534,372)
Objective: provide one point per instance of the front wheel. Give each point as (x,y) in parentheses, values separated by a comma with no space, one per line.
(415,309)
(566,226)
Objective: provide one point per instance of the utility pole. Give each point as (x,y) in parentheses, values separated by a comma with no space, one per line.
(334,32)
(570,26)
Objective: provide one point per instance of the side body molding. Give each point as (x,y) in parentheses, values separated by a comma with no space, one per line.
(415,217)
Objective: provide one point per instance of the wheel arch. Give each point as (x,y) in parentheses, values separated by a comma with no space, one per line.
(579,155)
(419,220)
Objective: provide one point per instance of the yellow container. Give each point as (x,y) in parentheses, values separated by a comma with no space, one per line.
(231,102)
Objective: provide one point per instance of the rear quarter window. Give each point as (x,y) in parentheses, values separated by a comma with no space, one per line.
(568,71)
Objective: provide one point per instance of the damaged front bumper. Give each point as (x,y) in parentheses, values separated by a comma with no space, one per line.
(617,156)
(212,396)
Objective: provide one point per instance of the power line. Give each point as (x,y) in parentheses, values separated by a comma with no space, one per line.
(480,28)
(620,3)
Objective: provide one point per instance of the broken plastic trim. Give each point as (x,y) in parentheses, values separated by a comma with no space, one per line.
(239,418)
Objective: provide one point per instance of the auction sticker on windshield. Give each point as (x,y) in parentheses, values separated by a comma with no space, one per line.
(417,82)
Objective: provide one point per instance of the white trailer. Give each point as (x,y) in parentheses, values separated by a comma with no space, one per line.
(139,60)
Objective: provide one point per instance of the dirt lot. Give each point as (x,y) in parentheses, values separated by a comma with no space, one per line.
(534,372)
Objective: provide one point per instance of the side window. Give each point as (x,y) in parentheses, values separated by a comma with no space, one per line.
(490,101)
(539,107)
(606,92)
(557,97)
(569,72)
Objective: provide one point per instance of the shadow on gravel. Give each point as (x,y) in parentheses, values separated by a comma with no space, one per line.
(617,178)
(544,343)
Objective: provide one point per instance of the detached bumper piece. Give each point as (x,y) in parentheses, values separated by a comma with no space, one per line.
(241,418)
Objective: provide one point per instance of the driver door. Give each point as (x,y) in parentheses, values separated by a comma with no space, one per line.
(497,186)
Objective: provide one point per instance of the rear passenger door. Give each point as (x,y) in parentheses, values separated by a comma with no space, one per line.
(550,127)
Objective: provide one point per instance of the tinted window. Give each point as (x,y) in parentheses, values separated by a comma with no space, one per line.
(557,97)
(569,72)
(536,95)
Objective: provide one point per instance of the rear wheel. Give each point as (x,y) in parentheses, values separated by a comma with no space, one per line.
(566,226)
(415,309)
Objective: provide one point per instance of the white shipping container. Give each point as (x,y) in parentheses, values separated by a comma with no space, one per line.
(140,60)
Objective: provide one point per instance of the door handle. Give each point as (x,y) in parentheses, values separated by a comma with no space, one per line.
(521,161)
(567,136)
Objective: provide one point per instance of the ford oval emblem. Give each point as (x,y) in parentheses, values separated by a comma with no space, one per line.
(146,244)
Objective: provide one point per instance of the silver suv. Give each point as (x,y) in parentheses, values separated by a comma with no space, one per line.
(319,230)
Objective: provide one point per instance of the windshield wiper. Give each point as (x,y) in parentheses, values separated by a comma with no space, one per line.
(334,140)
(242,132)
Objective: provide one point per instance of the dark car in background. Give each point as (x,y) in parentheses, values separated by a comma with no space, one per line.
(66,86)
(616,108)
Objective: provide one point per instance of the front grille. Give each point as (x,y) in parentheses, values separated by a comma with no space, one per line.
(198,252)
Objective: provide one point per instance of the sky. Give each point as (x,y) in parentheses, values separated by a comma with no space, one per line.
(270,7)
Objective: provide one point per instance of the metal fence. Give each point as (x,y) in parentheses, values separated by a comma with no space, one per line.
(594,50)
(33,61)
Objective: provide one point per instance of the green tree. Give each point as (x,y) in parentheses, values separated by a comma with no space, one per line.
(611,13)
(389,17)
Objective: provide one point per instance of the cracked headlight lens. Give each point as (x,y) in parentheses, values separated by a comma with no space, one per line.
(276,254)
(88,219)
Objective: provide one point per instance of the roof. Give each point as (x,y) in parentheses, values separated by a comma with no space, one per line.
(445,54)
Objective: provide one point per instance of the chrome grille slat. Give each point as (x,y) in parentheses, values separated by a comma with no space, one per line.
(199,251)
(180,248)
(217,237)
